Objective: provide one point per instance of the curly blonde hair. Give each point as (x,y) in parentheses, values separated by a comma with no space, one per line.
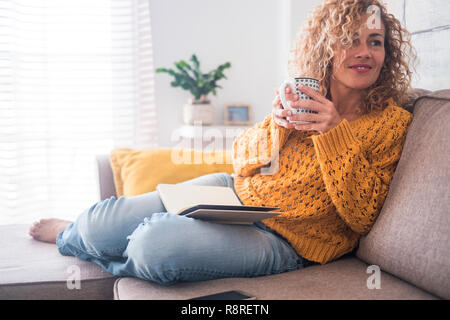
(337,22)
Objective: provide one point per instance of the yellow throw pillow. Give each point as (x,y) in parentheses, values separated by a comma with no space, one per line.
(140,171)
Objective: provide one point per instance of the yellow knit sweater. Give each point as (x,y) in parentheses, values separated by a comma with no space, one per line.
(330,187)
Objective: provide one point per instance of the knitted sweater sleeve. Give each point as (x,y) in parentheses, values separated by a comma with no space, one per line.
(258,147)
(358,180)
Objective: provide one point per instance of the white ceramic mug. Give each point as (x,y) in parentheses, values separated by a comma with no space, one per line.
(294,83)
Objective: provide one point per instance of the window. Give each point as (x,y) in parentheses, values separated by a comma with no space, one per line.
(76,80)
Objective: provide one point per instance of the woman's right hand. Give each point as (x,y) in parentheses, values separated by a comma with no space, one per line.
(279,113)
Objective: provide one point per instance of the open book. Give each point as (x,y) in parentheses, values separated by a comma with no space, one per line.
(212,203)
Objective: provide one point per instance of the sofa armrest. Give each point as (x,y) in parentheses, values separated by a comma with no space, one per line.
(105,177)
(413,95)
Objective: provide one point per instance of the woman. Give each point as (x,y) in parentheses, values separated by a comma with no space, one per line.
(329,177)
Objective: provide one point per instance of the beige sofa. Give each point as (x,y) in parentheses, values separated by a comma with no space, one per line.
(409,243)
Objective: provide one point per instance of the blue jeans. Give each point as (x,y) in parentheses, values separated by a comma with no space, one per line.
(136,237)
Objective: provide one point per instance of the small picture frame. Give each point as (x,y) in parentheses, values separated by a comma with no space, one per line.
(238,114)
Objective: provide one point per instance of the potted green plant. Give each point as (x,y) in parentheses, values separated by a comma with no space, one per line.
(200,85)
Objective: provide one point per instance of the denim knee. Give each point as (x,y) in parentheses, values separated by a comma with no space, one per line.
(227,178)
(155,250)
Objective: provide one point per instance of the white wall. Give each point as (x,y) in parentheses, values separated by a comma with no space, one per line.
(299,11)
(254,35)
(429,23)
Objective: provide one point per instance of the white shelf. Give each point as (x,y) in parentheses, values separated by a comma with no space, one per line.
(188,131)
(210,138)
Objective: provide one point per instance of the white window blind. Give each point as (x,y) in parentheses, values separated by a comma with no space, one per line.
(76,80)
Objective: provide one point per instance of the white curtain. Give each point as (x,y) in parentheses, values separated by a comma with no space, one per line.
(76,80)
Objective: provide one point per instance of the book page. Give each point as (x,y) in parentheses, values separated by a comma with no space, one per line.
(176,197)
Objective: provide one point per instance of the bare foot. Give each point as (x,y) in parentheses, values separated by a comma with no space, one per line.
(48,229)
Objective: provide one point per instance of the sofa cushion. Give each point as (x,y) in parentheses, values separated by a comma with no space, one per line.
(411,237)
(140,171)
(31,269)
(342,279)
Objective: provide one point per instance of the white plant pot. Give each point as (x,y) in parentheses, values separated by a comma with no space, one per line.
(195,112)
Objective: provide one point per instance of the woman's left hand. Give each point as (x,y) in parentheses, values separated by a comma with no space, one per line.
(327,117)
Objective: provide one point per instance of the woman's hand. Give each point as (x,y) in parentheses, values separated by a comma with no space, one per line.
(279,113)
(327,117)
